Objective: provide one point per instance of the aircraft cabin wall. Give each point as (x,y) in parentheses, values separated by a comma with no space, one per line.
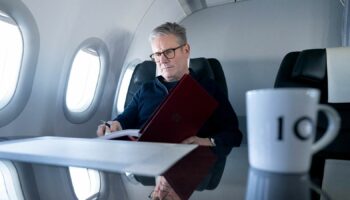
(252,37)
(63,26)
(249,38)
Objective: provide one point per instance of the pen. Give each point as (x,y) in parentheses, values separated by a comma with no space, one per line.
(105,123)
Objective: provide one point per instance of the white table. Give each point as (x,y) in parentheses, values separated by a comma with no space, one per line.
(143,158)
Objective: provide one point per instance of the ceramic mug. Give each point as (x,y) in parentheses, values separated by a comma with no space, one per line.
(281,128)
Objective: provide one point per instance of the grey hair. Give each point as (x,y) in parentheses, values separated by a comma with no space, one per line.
(169,28)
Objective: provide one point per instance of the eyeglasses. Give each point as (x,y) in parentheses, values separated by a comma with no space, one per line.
(168,53)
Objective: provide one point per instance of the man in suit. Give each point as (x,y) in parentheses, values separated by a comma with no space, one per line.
(171,52)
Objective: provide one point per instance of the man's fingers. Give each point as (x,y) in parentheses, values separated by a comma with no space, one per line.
(198,140)
(108,127)
(115,126)
(189,140)
(101,130)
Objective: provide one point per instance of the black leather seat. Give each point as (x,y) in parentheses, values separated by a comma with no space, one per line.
(210,68)
(308,68)
(146,71)
(143,72)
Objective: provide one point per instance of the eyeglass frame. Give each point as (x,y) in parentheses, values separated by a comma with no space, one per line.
(163,52)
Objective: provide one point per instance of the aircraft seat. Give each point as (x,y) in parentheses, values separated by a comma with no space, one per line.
(308,68)
(218,74)
(304,69)
(210,68)
(203,67)
(143,72)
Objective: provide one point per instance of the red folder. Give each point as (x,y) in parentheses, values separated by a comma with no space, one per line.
(181,114)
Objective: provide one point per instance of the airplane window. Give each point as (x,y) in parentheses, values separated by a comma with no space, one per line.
(83,80)
(86,79)
(122,90)
(86,182)
(9,183)
(19,49)
(11,51)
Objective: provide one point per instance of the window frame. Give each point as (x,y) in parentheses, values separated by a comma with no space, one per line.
(31,44)
(101,48)
(6,97)
(118,96)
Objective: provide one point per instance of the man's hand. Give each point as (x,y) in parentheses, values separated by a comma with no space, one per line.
(103,128)
(198,140)
(163,190)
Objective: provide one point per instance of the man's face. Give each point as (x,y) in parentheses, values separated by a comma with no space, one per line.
(172,69)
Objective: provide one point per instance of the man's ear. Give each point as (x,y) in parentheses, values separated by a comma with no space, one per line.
(187,48)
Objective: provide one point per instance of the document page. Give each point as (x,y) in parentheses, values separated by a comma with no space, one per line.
(122,133)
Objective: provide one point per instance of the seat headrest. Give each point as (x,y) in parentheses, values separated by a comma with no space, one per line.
(144,72)
(284,75)
(311,65)
(202,68)
(304,69)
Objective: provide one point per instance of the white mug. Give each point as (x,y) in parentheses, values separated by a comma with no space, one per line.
(281,128)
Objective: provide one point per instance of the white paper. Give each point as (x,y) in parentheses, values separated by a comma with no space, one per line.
(338,72)
(122,133)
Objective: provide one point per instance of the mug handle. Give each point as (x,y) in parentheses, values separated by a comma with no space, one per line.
(332,129)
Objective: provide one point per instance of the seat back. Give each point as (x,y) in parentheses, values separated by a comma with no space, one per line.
(204,68)
(219,74)
(307,68)
(143,72)
(210,68)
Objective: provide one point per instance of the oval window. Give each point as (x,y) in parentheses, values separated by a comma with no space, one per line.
(19,49)
(86,182)
(11,52)
(123,86)
(83,80)
(86,79)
